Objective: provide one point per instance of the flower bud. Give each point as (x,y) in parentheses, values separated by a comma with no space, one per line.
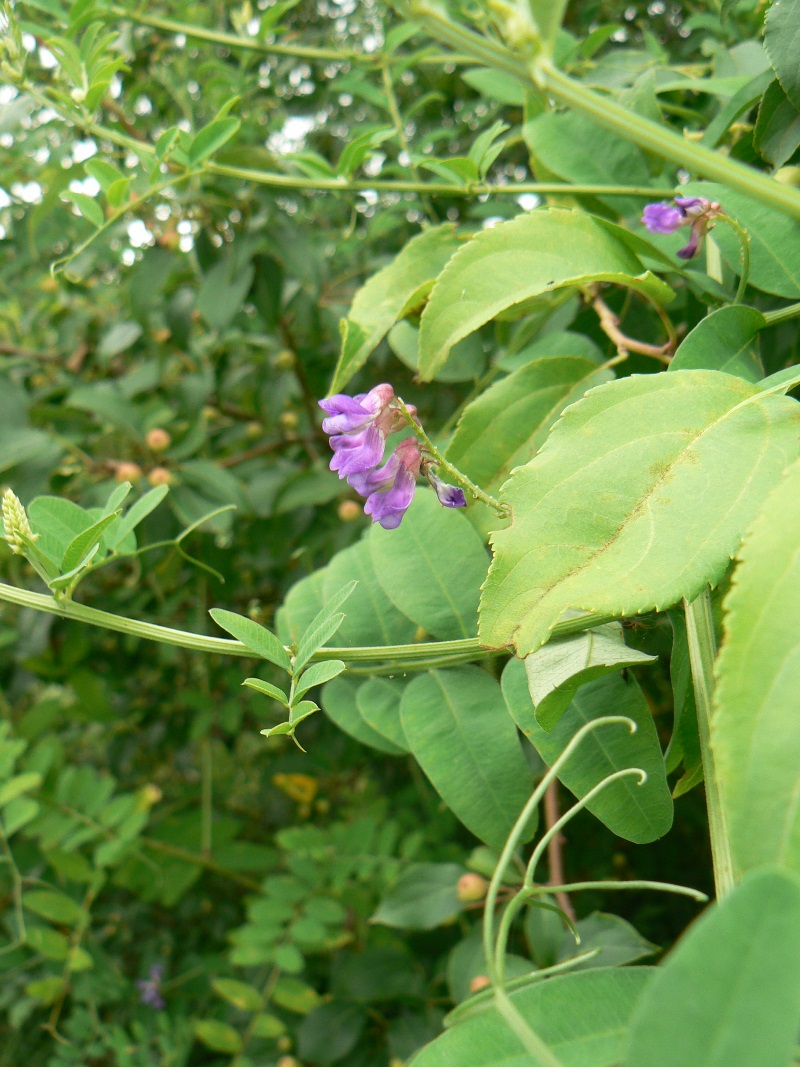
(348,510)
(16,527)
(288,421)
(284,360)
(471,887)
(159,476)
(158,440)
(127,472)
(479,982)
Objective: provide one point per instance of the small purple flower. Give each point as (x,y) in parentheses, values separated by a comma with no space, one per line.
(150,988)
(356,453)
(694,211)
(359,426)
(662,218)
(390,489)
(348,414)
(450,496)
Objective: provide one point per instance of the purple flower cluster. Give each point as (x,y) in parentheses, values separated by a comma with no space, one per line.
(150,988)
(358,427)
(694,211)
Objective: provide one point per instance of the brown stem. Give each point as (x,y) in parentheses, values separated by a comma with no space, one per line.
(266,447)
(609,324)
(555,856)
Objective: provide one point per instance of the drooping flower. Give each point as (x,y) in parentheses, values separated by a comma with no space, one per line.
(358,426)
(694,211)
(150,988)
(390,489)
(450,496)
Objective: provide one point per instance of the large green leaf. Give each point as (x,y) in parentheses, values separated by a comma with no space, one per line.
(378,703)
(339,702)
(389,295)
(636,812)
(725,340)
(574,148)
(459,731)
(684,745)
(729,993)
(777,132)
(782,41)
(582,1017)
(774,239)
(424,897)
(755,735)
(506,425)
(532,254)
(370,618)
(639,497)
(431,567)
(556,671)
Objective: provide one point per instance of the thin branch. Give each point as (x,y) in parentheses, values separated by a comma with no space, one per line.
(609,324)
(555,857)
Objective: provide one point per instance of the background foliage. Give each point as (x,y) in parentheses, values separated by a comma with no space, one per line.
(245,208)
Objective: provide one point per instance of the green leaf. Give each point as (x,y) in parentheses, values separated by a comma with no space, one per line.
(732,981)
(318,674)
(572,147)
(330,1032)
(378,703)
(507,424)
(423,898)
(58,522)
(340,705)
(459,731)
(268,690)
(777,130)
(84,542)
(629,464)
(782,42)
(47,990)
(558,670)
(57,907)
(725,340)
(19,784)
(302,604)
(495,85)
(755,738)
(466,363)
(136,513)
(532,254)
(323,626)
(223,290)
(582,1018)
(684,745)
(357,150)
(103,172)
(211,138)
(390,294)
(257,638)
(639,813)
(88,207)
(619,942)
(217,1035)
(243,996)
(431,567)
(371,619)
(774,239)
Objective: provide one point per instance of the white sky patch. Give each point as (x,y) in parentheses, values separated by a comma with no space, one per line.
(293,135)
(27,192)
(83,150)
(374,164)
(89,187)
(528,201)
(7,94)
(492,221)
(5,199)
(47,59)
(139,235)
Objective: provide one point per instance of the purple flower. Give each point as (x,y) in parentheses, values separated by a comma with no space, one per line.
(359,426)
(694,211)
(348,414)
(356,453)
(390,489)
(662,218)
(450,496)
(150,988)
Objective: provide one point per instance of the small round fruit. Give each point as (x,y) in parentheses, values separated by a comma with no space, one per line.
(127,472)
(158,440)
(159,476)
(471,887)
(348,510)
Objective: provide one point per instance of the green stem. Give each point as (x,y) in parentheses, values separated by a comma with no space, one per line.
(533,1044)
(417,654)
(607,113)
(774,318)
(702,651)
(665,887)
(475,490)
(744,246)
